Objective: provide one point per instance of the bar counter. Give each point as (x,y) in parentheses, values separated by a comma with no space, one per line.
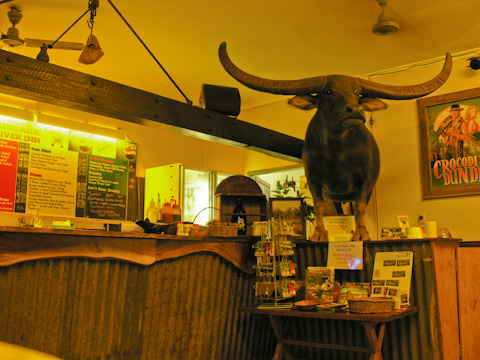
(28,243)
(83,294)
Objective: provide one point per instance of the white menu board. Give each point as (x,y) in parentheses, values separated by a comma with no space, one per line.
(392,275)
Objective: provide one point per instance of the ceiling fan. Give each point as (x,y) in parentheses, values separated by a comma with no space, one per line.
(12,38)
(385,25)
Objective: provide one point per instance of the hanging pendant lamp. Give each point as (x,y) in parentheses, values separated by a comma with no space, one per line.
(92,52)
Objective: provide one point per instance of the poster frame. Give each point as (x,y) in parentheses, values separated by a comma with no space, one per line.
(433,162)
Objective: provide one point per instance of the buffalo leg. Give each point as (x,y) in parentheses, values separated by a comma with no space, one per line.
(319,234)
(361,232)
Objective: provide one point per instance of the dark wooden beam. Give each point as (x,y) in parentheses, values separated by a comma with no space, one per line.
(36,80)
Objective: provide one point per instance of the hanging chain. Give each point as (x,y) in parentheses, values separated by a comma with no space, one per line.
(92,6)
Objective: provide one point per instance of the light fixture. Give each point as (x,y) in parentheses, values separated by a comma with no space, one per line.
(12,39)
(475,63)
(43,55)
(92,52)
(385,25)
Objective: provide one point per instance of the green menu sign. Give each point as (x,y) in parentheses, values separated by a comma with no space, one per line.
(107,181)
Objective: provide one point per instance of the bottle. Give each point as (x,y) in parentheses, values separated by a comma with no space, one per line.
(152,212)
(167,213)
(177,212)
(421,223)
(239,219)
(159,208)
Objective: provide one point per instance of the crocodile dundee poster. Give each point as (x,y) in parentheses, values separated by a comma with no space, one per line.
(453,140)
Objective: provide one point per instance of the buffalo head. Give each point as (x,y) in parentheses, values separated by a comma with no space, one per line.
(340,155)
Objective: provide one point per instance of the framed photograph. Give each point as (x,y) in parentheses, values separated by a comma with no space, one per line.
(290,210)
(450,144)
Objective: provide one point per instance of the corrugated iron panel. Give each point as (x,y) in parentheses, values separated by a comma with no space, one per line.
(186,308)
(196,301)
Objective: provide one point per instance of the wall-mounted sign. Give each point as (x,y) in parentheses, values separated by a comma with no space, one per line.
(64,172)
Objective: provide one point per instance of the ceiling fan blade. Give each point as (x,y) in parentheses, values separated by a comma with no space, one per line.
(63,45)
(5,1)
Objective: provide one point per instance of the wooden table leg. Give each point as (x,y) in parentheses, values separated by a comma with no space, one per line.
(375,341)
(280,350)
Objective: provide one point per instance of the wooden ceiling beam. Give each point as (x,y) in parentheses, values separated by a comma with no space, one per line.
(39,81)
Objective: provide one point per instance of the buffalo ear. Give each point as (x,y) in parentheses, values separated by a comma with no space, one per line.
(303,102)
(372,104)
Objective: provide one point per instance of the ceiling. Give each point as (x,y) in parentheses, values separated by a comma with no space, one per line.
(278,39)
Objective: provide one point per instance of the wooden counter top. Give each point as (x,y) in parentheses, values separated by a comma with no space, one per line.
(19,244)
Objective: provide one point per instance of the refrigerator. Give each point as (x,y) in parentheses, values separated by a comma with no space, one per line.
(190,188)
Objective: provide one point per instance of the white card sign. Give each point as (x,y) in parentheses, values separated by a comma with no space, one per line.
(392,275)
(345,255)
(344,223)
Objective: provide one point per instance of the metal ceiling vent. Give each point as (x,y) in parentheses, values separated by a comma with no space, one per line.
(385,25)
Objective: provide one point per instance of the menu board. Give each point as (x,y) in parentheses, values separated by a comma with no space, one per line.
(392,275)
(107,193)
(65,172)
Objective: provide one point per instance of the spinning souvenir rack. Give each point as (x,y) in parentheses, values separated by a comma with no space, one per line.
(274,269)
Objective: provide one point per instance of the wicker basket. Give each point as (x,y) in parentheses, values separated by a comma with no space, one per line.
(370,305)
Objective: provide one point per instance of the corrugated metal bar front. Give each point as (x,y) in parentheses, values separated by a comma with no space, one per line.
(196,304)
(184,308)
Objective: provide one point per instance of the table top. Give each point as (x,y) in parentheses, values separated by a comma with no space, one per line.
(334,315)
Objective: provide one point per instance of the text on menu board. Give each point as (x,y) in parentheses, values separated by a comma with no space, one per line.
(64,172)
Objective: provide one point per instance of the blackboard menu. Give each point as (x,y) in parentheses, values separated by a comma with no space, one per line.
(65,172)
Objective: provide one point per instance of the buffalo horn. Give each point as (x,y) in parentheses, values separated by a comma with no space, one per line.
(314,85)
(284,87)
(373,89)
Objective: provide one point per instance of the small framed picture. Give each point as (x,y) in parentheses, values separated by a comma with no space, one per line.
(291,211)
(403,221)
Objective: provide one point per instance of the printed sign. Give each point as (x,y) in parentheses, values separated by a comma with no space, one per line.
(107,181)
(392,275)
(345,255)
(65,172)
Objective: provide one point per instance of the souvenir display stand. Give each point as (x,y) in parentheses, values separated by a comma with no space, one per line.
(274,269)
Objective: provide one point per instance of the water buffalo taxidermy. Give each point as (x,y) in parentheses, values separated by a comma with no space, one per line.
(340,155)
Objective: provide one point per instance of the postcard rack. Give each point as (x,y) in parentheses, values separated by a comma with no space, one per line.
(275,270)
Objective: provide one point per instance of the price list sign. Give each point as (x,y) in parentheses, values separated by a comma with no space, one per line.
(107,181)
(8,174)
(22,177)
(52,181)
(63,172)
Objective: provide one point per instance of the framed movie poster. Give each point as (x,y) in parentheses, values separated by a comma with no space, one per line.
(450,144)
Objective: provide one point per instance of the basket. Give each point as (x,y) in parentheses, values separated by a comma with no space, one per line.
(370,305)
